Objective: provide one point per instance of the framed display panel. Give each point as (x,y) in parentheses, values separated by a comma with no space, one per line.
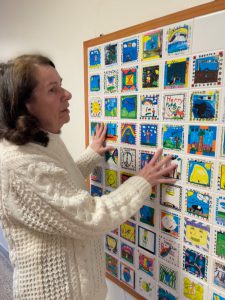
(162,84)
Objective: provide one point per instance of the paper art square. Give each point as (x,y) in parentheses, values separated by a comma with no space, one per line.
(147,239)
(95,58)
(124,176)
(145,286)
(128,231)
(111,54)
(219,247)
(150,77)
(169,250)
(111,244)
(111,108)
(174,106)
(198,204)
(128,108)
(171,196)
(95,107)
(177,173)
(202,140)
(144,157)
(111,178)
(149,107)
(168,276)
(96,191)
(147,215)
(111,133)
(130,50)
(173,137)
(193,289)
(97,175)
(149,134)
(221,178)
(178,39)
(197,234)
(219,274)
(176,73)
(111,81)
(222,148)
(128,158)
(200,172)
(111,157)
(204,105)
(127,253)
(127,275)
(129,79)
(195,263)
(220,210)
(95,83)
(207,69)
(112,265)
(170,223)
(147,264)
(152,45)
(165,295)
(216,296)
(128,133)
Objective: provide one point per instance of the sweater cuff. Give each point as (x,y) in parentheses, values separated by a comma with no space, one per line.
(142,185)
(94,156)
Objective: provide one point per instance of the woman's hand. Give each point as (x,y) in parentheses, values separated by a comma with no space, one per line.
(156,170)
(98,140)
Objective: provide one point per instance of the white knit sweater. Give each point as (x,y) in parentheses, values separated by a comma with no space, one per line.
(53,225)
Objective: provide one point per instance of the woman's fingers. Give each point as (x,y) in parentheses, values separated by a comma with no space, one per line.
(167,180)
(167,170)
(156,156)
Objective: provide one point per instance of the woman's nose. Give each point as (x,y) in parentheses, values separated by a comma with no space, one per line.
(67,94)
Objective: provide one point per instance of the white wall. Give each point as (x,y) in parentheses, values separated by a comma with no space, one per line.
(58,29)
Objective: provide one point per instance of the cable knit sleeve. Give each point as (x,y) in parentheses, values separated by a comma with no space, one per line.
(43,196)
(88,160)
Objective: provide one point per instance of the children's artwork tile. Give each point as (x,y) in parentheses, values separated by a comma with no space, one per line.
(145,157)
(149,135)
(195,263)
(178,39)
(221,178)
(130,50)
(127,275)
(128,133)
(152,45)
(173,137)
(222,148)
(207,69)
(171,196)
(111,157)
(216,296)
(97,174)
(168,276)
(176,73)
(93,127)
(204,105)
(147,239)
(145,286)
(124,176)
(219,274)
(111,244)
(95,58)
(200,172)
(111,81)
(111,179)
(177,173)
(197,234)
(111,54)
(198,204)
(170,223)
(147,215)
(111,133)
(193,289)
(129,79)
(174,106)
(95,83)
(95,108)
(202,140)
(127,252)
(128,231)
(169,250)
(220,210)
(128,158)
(111,108)
(147,264)
(163,294)
(150,77)
(128,107)
(112,265)
(149,107)
(219,245)
(96,191)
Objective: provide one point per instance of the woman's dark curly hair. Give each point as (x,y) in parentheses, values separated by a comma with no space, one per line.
(17,83)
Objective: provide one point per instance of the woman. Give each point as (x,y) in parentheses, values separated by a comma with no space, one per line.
(53,225)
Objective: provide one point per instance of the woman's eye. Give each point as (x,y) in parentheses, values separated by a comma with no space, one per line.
(53,90)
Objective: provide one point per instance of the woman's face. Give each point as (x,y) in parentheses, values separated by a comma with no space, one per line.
(50,101)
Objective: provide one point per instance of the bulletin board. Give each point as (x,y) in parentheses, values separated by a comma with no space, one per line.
(162,84)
